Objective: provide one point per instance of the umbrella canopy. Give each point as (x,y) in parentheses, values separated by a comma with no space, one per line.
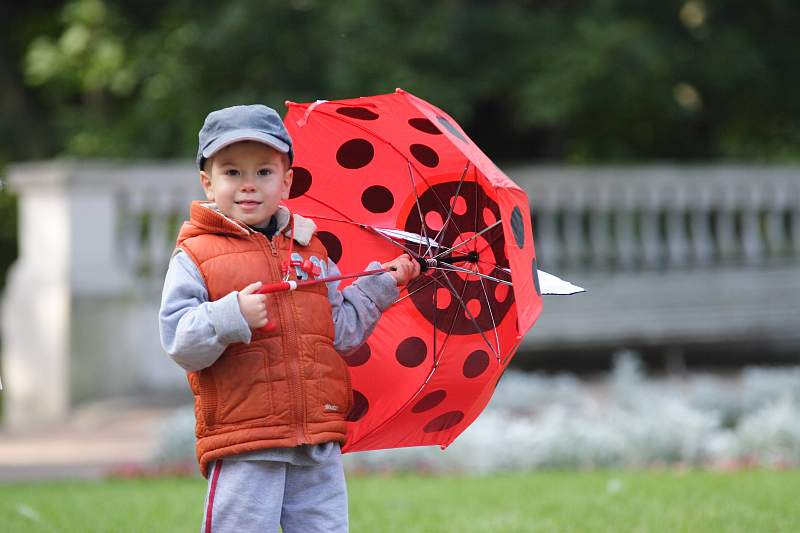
(392,173)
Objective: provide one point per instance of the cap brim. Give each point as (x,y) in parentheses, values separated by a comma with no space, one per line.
(244,135)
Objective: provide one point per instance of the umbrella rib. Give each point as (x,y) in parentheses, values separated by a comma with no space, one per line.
(435,314)
(437,357)
(453,203)
(489,243)
(419,208)
(433,368)
(462,243)
(477,197)
(340,118)
(441,203)
(416,290)
(491,315)
(495,267)
(472,319)
(454,268)
(370,229)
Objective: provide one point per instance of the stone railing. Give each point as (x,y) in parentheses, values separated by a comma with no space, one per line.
(669,254)
(624,219)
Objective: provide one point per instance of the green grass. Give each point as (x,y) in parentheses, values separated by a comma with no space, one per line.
(746,501)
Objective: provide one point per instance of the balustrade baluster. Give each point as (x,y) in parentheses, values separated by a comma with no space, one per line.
(752,240)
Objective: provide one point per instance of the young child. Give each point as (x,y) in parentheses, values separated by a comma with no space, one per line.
(270,403)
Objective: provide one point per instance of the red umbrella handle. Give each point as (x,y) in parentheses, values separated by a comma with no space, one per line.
(281,286)
(284,286)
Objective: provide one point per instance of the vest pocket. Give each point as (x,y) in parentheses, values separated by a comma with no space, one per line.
(206,400)
(335,396)
(242,389)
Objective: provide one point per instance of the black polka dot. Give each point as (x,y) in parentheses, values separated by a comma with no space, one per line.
(411,352)
(359,356)
(355,153)
(429,401)
(476,363)
(536,277)
(425,155)
(377,199)
(332,244)
(518,227)
(301,182)
(361,113)
(424,125)
(452,129)
(442,422)
(360,407)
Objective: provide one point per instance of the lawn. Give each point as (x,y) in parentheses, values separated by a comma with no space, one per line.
(746,501)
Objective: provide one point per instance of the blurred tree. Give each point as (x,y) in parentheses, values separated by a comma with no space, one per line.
(25,128)
(604,80)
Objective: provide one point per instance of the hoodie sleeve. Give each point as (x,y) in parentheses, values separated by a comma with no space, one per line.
(194,331)
(357,308)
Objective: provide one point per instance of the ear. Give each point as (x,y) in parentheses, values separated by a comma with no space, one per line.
(286,186)
(205,181)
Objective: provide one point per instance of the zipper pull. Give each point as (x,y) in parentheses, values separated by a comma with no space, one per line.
(272,247)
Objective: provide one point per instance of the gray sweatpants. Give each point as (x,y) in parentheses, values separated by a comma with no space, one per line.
(253,495)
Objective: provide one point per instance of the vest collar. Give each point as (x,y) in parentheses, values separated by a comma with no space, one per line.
(205,215)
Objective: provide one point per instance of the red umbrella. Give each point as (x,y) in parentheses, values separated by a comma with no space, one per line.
(391,173)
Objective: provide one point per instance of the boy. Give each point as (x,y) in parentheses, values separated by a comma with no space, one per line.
(270,403)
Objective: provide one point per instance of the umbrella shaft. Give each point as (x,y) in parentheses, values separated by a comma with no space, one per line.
(472,257)
(426,263)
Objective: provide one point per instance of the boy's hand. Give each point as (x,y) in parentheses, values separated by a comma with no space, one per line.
(403,269)
(253,306)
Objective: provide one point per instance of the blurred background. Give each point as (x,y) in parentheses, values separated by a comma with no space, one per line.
(658,142)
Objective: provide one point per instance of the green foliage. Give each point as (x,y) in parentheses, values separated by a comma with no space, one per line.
(588,82)
(604,80)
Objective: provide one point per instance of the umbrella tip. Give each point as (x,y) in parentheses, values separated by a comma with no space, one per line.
(398,90)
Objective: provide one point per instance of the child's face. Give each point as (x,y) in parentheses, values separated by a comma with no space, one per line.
(247,180)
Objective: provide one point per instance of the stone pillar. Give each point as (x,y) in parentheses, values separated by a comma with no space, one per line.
(35,311)
(79,313)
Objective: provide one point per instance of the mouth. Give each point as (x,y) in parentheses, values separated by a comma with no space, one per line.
(248,204)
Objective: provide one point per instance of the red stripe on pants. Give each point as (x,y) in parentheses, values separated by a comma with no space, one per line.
(210,506)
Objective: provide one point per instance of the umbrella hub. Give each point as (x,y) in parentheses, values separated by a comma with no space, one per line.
(426,263)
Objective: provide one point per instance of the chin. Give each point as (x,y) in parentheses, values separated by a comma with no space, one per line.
(253,219)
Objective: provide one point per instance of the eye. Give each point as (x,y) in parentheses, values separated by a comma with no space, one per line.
(264,171)
(232,172)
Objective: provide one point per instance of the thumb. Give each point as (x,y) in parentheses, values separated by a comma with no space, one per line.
(250,289)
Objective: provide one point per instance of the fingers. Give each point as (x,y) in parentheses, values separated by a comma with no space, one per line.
(253,306)
(258,313)
(403,268)
(250,289)
(410,267)
(415,269)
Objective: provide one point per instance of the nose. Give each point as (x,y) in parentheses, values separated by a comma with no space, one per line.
(248,184)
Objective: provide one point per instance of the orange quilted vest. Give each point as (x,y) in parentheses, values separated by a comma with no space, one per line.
(285,388)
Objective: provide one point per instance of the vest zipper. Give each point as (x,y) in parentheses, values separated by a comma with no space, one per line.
(290,349)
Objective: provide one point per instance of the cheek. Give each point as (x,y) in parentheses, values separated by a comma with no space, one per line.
(223,194)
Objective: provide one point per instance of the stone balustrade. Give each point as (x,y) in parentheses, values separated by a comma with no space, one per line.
(668,254)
